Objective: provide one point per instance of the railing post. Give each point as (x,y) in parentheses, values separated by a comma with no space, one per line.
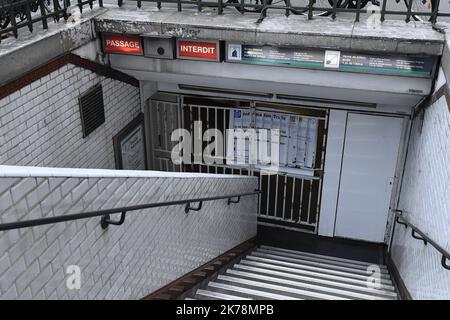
(333,16)
(56,10)
(358,10)
(383,11)
(139,4)
(288,8)
(80,5)
(12,17)
(120,3)
(408,14)
(28,13)
(43,14)
(434,16)
(179,5)
(310,9)
(66,5)
(220,8)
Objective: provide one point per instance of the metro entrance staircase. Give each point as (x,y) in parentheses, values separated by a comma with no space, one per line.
(282,274)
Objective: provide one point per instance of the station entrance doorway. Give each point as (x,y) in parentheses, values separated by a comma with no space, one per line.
(290,195)
(359,178)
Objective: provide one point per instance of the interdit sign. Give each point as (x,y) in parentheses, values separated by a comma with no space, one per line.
(201,50)
(122,44)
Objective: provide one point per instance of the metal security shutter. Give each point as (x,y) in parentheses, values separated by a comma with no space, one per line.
(92,109)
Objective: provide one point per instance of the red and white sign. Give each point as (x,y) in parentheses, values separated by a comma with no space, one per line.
(202,50)
(122,44)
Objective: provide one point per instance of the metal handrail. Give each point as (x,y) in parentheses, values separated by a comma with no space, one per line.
(418,234)
(105,221)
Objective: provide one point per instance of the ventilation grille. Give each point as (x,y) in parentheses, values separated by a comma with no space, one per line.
(92,110)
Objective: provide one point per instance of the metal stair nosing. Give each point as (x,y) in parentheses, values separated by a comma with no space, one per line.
(313,272)
(382,268)
(306,286)
(316,264)
(316,255)
(321,269)
(264,286)
(363,288)
(247,291)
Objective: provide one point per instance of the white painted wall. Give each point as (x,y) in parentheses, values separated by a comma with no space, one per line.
(40,124)
(425,200)
(152,248)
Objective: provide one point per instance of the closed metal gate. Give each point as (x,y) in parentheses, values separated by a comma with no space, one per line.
(290,198)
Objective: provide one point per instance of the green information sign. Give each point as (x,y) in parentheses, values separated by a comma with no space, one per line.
(332,60)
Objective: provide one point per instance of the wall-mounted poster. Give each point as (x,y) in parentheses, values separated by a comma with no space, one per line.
(129,146)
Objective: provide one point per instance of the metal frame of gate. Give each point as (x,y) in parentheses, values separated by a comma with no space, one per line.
(288,200)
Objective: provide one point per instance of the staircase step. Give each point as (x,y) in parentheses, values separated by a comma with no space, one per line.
(321,289)
(283,274)
(246,292)
(304,262)
(353,265)
(279,289)
(308,277)
(316,255)
(202,294)
(344,275)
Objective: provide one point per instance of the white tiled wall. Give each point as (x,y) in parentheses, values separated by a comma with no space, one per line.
(40,124)
(425,198)
(152,248)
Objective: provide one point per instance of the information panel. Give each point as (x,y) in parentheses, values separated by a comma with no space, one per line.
(332,59)
(129,146)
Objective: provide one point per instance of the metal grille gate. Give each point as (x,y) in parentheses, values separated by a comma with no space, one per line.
(289,199)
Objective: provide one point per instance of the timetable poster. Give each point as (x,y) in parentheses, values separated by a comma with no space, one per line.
(284,131)
(311,142)
(246,124)
(261,141)
(292,141)
(301,141)
(268,126)
(235,123)
(297,138)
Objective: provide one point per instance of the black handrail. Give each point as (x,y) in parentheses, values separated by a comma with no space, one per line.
(416,233)
(105,221)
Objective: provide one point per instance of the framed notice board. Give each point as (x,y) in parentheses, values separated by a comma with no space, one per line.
(129,146)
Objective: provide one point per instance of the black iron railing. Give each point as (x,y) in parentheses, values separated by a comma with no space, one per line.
(18,14)
(418,234)
(427,10)
(104,213)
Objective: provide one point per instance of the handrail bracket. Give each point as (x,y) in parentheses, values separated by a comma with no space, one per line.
(413,234)
(188,207)
(444,262)
(233,201)
(106,221)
